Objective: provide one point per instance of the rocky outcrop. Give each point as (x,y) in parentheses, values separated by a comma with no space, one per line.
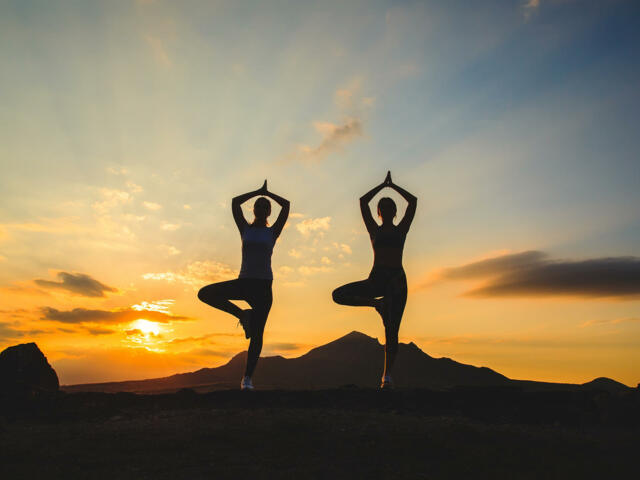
(24,370)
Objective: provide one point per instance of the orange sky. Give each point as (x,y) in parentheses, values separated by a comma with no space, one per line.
(127,128)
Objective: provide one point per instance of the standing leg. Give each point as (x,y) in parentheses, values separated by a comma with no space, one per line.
(395,301)
(218,295)
(260,298)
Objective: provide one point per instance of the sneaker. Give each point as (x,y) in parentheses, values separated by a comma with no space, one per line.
(245,321)
(387,383)
(246,384)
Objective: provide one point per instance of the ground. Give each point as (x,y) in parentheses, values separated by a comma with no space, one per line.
(327,434)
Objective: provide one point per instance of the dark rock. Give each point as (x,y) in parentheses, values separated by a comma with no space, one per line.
(24,370)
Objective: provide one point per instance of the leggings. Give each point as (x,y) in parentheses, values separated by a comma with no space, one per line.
(388,283)
(391,285)
(257,293)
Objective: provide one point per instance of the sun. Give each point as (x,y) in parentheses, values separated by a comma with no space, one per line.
(146,327)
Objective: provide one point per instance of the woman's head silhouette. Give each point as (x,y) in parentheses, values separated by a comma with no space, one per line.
(387,209)
(262,210)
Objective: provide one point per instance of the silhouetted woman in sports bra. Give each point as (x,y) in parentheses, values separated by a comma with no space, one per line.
(386,287)
(253,284)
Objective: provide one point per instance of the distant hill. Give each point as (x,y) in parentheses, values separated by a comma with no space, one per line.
(355,359)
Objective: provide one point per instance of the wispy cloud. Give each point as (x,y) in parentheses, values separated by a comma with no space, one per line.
(532,273)
(334,137)
(78,283)
(313,269)
(151,205)
(305,227)
(611,321)
(112,198)
(170,227)
(169,250)
(196,274)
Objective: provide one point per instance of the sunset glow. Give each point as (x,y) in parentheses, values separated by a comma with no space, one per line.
(127,127)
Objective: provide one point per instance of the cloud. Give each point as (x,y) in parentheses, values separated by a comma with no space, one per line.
(202,338)
(295,253)
(343,247)
(311,269)
(78,283)
(111,199)
(530,7)
(134,188)
(533,274)
(612,321)
(60,226)
(8,331)
(495,265)
(286,346)
(169,250)
(186,206)
(196,274)
(285,270)
(100,331)
(109,317)
(309,225)
(334,137)
(170,227)
(152,205)
(155,306)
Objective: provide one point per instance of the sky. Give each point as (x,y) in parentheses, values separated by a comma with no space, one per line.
(126,128)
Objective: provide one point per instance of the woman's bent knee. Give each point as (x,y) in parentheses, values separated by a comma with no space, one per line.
(201,295)
(338,296)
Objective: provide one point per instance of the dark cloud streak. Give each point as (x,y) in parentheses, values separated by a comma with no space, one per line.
(78,283)
(533,274)
(83,315)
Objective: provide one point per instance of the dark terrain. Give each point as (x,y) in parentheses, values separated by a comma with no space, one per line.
(473,432)
(355,359)
(491,427)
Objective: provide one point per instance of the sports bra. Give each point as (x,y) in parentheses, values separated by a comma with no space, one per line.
(257,247)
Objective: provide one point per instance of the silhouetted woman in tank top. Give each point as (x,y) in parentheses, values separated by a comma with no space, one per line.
(386,287)
(253,284)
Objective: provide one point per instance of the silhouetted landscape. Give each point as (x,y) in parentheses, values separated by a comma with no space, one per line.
(352,360)
(317,416)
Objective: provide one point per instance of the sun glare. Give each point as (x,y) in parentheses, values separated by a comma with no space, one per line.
(146,327)
(145,333)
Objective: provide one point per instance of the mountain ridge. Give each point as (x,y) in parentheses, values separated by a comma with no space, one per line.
(353,359)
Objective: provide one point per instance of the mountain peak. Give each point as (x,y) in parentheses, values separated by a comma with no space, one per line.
(604,383)
(356,335)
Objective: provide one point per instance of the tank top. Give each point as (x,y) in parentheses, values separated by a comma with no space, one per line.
(257,247)
(388,238)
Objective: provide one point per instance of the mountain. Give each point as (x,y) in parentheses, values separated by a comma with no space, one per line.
(604,383)
(25,370)
(355,359)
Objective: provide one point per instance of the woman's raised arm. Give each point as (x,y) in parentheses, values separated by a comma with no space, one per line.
(412,202)
(369,222)
(236,205)
(284,211)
